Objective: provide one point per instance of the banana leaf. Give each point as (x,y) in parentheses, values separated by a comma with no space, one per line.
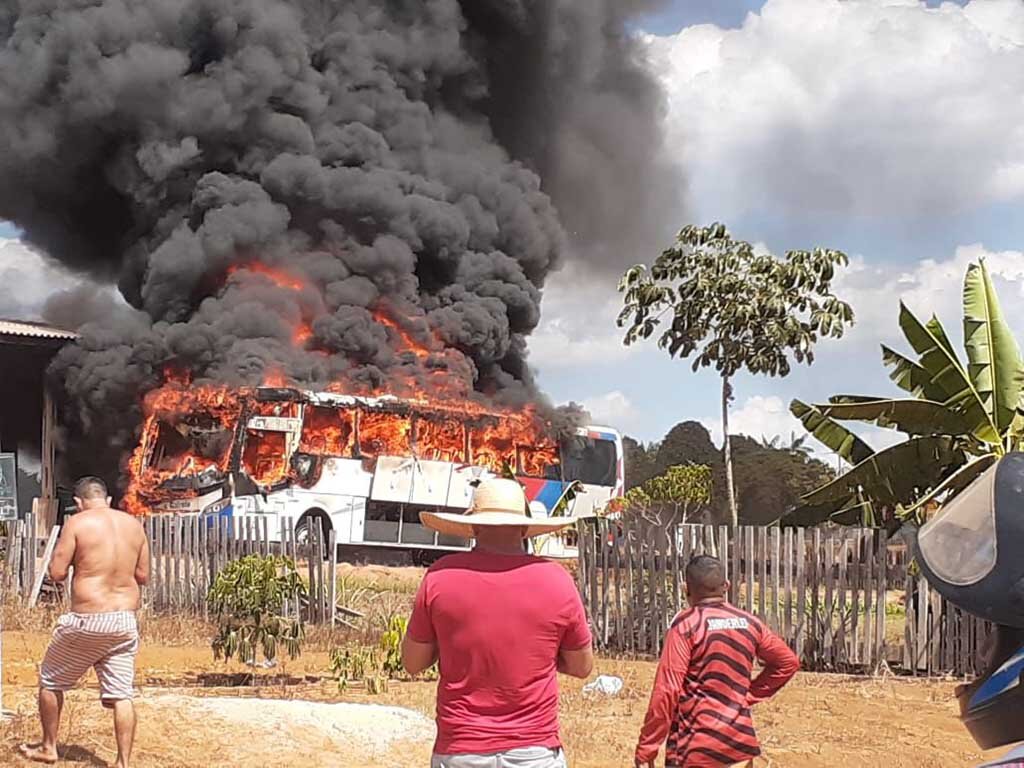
(851,512)
(915,417)
(993,357)
(946,371)
(912,377)
(898,475)
(830,433)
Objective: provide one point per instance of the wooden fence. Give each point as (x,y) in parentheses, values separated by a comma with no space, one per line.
(844,599)
(186,554)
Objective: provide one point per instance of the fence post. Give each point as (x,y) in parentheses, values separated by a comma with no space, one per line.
(627,533)
(801,593)
(613,531)
(881,582)
(776,623)
(787,584)
(867,635)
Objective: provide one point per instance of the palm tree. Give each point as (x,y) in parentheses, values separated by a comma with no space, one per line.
(959,419)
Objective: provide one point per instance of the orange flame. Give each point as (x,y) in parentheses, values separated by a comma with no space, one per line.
(279,277)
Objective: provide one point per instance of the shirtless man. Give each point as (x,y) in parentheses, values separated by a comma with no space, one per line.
(110,554)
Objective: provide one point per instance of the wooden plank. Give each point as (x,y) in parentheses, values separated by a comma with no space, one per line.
(842,610)
(602,542)
(776,575)
(265,536)
(588,576)
(723,549)
(934,627)
(910,630)
(801,592)
(616,575)
(187,590)
(748,541)
(205,534)
(881,583)
(176,561)
(787,585)
(641,591)
(592,592)
(193,560)
(631,617)
(284,532)
(854,576)
(814,587)
(29,547)
(12,561)
(762,566)
(332,575)
(581,560)
(734,566)
(678,575)
(156,576)
(37,585)
(652,575)
(315,560)
(828,562)
(867,635)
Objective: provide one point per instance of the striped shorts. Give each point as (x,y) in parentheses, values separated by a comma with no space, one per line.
(107,642)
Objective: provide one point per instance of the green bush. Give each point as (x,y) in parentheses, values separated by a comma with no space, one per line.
(246,598)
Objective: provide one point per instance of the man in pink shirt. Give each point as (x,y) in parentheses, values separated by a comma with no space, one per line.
(501,624)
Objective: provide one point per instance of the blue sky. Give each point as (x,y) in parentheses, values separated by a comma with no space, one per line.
(723,13)
(885,128)
(880,128)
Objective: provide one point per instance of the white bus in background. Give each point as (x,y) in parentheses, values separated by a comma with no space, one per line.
(365,467)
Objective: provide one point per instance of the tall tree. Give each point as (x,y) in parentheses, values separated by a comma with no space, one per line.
(688,442)
(734,308)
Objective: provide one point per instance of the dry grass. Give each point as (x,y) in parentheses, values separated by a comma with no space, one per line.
(819,720)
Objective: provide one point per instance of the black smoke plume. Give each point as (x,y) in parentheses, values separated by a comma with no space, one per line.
(299,186)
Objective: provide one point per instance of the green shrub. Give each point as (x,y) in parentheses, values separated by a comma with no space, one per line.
(246,598)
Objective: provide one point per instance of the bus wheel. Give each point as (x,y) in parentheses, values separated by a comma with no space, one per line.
(304,526)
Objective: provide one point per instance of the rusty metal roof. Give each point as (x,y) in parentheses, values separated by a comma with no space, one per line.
(35,330)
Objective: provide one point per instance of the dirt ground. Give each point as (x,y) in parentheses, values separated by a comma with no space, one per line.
(817,721)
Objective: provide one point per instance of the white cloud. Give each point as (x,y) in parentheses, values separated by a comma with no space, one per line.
(758,417)
(27,279)
(928,287)
(577,323)
(612,409)
(850,107)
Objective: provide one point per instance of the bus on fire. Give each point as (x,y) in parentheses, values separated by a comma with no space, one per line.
(362,467)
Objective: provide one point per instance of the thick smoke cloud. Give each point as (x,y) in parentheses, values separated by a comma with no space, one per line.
(308,187)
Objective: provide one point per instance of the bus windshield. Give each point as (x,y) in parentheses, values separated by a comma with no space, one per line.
(590,461)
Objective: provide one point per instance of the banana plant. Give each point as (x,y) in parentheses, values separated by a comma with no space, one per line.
(960,416)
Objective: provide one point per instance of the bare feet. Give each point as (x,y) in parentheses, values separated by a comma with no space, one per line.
(39,754)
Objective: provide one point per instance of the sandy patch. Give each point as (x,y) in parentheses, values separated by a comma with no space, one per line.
(372,728)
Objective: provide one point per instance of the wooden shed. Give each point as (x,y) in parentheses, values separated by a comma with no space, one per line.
(28,418)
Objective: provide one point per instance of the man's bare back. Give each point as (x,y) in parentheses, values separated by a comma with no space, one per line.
(110,554)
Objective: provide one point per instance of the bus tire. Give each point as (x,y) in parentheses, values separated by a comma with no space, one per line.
(312,517)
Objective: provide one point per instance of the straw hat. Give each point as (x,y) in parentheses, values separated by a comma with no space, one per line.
(495,502)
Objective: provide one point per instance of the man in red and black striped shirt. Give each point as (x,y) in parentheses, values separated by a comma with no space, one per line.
(703,691)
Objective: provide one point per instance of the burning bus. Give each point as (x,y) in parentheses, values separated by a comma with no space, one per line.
(362,467)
